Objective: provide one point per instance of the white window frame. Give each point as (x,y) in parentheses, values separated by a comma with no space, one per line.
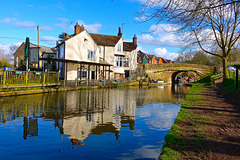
(91,55)
(16,61)
(119,48)
(120,61)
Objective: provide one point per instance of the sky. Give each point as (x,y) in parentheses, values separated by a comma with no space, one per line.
(19,19)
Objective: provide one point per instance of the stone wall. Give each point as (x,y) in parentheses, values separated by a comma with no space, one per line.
(168,71)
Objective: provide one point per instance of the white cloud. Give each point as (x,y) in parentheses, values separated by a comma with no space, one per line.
(162,52)
(46,28)
(141,49)
(6,52)
(161,35)
(62,19)
(8,20)
(24,23)
(63,23)
(4,47)
(93,28)
(16,22)
(49,40)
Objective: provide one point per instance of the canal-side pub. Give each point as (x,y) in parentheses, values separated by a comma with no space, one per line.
(87,56)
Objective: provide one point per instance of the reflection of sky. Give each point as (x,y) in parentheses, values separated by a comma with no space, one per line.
(150,120)
(145,152)
(158,116)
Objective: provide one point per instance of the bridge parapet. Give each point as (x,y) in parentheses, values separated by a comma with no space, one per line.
(177,66)
(168,71)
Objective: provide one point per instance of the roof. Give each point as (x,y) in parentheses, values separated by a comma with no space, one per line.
(158,58)
(129,46)
(101,63)
(150,56)
(19,48)
(44,49)
(105,40)
(168,61)
(141,54)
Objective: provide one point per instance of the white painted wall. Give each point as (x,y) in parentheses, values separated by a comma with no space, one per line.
(132,56)
(77,47)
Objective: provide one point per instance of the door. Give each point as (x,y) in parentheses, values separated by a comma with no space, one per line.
(93,75)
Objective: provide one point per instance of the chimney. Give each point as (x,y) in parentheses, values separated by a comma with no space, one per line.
(135,39)
(119,32)
(67,36)
(78,28)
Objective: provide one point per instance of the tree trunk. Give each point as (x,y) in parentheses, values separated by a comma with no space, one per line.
(225,69)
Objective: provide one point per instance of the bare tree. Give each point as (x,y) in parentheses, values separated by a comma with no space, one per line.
(212,25)
(194,58)
(4,59)
(12,49)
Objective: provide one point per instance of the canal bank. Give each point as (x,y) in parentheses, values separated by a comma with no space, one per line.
(16,90)
(207,126)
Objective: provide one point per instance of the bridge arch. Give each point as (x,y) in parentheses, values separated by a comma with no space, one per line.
(174,74)
(167,72)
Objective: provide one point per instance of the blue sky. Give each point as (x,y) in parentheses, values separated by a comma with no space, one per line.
(18,20)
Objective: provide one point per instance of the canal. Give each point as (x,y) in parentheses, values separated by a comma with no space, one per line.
(119,123)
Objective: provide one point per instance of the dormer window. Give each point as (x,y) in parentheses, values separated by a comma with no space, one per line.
(119,48)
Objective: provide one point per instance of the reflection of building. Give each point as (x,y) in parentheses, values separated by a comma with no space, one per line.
(81,113)
(98,111)
(162,94)
(75,113)
(30,127)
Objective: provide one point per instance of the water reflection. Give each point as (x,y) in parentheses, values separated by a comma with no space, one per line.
(85,113)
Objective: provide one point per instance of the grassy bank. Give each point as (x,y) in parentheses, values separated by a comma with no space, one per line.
(186,135)
(230,85)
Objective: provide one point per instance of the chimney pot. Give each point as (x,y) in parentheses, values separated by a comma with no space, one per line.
(78,28)
(135,39)
(119,32)
(67,36)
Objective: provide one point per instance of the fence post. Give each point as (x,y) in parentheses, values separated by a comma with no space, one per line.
(58,77)
(26,77)
(236,79)
(44,77)
(4,76)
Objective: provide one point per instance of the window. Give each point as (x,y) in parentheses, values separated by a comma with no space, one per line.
(17,62)
(121,61)
(119,48)
(91,55)
(61,51)
(126,62)
(84,74)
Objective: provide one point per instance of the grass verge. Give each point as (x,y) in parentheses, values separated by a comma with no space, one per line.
(230,85)
(186,135)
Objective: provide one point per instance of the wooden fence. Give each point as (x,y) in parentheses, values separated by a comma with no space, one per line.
(25,77)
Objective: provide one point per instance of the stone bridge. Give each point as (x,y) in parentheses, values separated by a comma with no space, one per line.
(168,72)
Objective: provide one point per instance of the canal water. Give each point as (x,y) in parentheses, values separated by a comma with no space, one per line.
(119,123)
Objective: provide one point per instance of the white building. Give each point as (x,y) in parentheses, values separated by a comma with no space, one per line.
(95,57)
